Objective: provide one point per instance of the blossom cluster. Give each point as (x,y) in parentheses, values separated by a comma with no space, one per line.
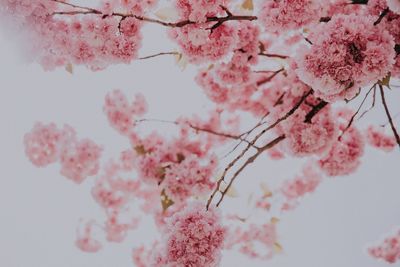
(388,249)
(47,144)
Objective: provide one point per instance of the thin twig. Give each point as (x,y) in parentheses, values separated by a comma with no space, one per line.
(255,139)
(396,135)
(355,114)
(269,78)
(248,162)
(159,54)
(372,105)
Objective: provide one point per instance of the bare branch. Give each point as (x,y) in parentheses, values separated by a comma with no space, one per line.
(248,162)
(273,55)
(396,135)
(159,54)
(269,78)
(255,139)
(314,111)
(355,114)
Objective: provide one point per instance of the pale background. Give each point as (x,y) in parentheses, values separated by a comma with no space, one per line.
(39,209)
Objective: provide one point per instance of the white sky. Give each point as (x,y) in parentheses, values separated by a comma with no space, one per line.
(39,209)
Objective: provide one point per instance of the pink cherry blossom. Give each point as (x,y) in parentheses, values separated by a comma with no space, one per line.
(301,185)
(388,249)
(344,156)
(199,10)
(378,139)
(47,144)
(347,52)
(80,160)
(121,113)
(194,237)
(284,15)
(188,179)
(85,240)
(199,44)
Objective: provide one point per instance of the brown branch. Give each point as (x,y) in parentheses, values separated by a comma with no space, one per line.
(159,54)
(372,104)
(381,16)
(355,114)
(273,55)
(396,135)
(200,129)
(255,139)
(226,135)
(219,20)
(269,78)
(248,162)
(314,111)
(73,5)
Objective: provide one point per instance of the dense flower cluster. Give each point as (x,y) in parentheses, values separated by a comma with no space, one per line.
(347,53)
(194,237)
(307,138)
(199,45)
(344,156)
(90,40)
(198,11)
(284,15)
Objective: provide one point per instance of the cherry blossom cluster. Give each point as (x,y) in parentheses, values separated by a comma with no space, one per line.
(347,52)
(194,237)
(388,249)
(47,144)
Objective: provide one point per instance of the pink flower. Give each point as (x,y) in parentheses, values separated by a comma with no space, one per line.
(347,53)
(284,15)
(85,240)
(46,144)
(344,156)
(188,178)
(307,138)
(80,160)
(302,184)
(200,44)
(199,10)
(388,250)
(194,237)
(43,144)
(378,139)
(121,114)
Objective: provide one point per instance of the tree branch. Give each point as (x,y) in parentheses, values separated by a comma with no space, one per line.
(396,135)
(250,160)
(219,20)
(314,111)
(159,54)
(355,114)
(255,139)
